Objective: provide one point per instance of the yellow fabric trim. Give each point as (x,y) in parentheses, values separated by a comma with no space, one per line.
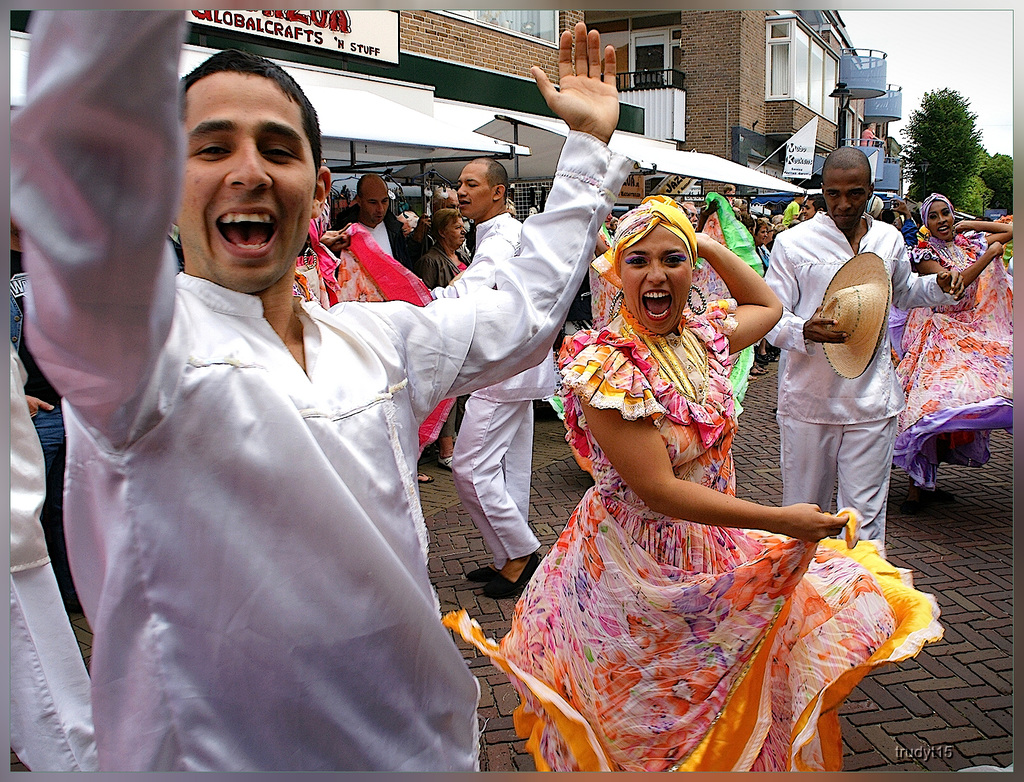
(572,726)
(916,624)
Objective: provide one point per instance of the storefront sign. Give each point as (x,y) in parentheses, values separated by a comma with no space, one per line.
(369,34)
(632,191)
(674,185)
(800,151)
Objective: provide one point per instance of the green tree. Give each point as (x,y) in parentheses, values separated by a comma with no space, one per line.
(943,149)
(997,171)
(977,198)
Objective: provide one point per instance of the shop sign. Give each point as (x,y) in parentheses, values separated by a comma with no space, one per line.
(632,190)
(674,185)
(800,151)
(369,34)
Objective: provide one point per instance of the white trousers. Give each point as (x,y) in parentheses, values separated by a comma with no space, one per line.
(51,712)
(814,456)
(491,466)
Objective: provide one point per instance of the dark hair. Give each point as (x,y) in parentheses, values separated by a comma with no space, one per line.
(441,219)
(887,216)
(818,202)
(235,61)
(762,222)
(496,173)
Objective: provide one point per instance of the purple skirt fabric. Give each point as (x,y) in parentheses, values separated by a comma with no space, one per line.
(916,448)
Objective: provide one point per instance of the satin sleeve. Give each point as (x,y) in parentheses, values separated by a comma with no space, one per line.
(96,158)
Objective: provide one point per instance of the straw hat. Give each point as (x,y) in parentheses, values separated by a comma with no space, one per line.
(858,300)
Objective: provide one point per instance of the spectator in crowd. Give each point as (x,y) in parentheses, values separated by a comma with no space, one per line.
(907,226)
(832,425)
(419,241)
(372,208)
(868,137)
(791,214)
(811,206)
(764,237)
(741,206)
(253,554)
(692,211)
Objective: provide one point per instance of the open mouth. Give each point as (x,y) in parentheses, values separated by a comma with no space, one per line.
(247,231)
(656,304)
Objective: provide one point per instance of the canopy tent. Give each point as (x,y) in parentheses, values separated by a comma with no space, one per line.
(360,129)
(545,135)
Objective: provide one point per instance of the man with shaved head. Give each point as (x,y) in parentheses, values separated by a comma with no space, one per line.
(372,208)
(833,428)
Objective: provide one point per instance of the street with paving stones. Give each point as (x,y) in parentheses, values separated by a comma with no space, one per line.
(948,709)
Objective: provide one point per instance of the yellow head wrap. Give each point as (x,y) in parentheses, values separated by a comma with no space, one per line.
(636,224)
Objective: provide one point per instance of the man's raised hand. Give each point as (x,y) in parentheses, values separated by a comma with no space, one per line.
(587,100)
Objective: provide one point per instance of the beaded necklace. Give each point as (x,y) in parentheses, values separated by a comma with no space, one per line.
(664,350)
(952,253)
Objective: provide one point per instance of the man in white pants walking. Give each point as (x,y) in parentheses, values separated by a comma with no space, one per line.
(832,429)
(494,451)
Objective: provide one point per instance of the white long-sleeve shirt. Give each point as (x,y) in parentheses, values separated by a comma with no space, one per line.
(28,479)
(246,537)
(497,240)
(804,260)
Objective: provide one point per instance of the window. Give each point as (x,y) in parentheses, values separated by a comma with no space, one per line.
(778,60)
(831,71)
(801,48)
(537,24)
(800,67)
(816,77)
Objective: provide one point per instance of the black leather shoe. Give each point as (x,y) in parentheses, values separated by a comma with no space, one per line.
(910,507)
(499,586)
(482,574)
(936,495)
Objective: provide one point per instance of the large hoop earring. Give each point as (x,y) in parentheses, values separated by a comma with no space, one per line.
(616,305)
(700,295)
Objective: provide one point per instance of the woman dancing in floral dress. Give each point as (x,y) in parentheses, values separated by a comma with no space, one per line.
(673,625)
(957,360)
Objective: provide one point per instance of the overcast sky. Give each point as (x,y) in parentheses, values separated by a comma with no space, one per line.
(927,50)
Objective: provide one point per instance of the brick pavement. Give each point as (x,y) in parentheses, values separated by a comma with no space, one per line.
(949,708)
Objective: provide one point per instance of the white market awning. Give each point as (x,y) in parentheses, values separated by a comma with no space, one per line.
(545,136)
(359,128)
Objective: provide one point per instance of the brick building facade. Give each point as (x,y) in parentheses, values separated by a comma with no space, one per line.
(723,61)
(447,37)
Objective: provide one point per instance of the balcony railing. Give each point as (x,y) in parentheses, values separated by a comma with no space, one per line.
(650,80)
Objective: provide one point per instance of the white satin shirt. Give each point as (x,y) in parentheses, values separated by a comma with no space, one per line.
(246,537)
(497,240)
(804,260)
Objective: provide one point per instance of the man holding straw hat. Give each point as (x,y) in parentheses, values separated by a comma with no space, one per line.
(836,275)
